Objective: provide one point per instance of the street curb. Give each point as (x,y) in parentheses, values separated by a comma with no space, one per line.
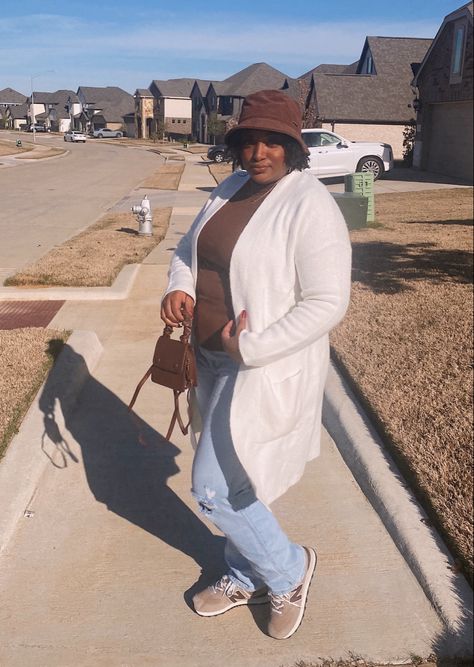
(119,290)
(40,159)
(25,460)
(406,522)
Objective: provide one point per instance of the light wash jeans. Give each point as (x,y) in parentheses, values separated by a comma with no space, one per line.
(257,550)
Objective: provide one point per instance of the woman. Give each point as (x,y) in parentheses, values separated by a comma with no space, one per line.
(264,272)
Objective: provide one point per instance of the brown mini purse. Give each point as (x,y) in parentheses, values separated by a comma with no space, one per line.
(173,366)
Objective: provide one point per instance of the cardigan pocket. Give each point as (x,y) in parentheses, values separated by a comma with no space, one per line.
(280,399)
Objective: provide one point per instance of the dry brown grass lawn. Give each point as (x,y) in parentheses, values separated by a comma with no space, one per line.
(220,171)
(24,361)
(95,256)
(407,345)
(9,148)
(167,177)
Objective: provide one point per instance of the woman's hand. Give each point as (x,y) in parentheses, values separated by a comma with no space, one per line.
(176,307)
(231,343)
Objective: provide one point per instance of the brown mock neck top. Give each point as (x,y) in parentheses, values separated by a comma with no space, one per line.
(216,242)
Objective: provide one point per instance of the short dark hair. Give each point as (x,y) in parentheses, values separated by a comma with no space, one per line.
(295,157)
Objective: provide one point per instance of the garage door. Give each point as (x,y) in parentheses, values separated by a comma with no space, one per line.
(450,145)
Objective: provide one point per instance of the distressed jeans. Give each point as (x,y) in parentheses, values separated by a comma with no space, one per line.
(257,551)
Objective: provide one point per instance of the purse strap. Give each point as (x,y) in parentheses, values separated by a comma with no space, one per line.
(176,416)
(184,338)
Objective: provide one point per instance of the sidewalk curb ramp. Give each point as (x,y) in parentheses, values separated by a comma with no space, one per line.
(406,522)
(25,460)
(119,290)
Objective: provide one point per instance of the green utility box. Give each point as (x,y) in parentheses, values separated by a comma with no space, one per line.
(362,183)
(353,207)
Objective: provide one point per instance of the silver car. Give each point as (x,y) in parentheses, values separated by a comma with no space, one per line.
(105,132)
(75,135)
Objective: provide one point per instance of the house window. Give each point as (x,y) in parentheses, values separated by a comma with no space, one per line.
(458,52)
(368,66)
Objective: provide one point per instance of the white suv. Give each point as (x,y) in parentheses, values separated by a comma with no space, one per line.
(332,155)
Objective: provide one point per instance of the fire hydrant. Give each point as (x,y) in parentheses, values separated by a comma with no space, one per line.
(144,216)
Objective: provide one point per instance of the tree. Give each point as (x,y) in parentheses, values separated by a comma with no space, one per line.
(409,143)
(215,127)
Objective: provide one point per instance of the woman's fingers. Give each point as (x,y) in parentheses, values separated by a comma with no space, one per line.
(189,306)
(175,306)
(230,343)
(226,330)
(242,323)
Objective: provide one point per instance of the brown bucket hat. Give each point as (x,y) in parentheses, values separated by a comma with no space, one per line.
(273,111)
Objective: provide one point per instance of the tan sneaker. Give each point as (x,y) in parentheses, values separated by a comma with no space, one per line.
(225,595)
(287,610)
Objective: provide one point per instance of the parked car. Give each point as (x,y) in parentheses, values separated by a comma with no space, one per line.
(218,153)
(37,127)
(104,132)
(75,135)
(332,155)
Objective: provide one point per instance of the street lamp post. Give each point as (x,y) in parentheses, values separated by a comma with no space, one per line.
(33,115)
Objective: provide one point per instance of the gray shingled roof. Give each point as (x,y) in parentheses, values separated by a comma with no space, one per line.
(59,97)
(393,55)
(174,87)
(180,87)
(330,69)
(143,92)
(253,78)
(381,97)
(11,96)
(113,102)
(203,85)
(19,111)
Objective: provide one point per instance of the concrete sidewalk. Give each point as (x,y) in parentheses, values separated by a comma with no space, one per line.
(102,570)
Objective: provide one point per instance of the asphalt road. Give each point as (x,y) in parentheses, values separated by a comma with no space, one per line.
(45,202)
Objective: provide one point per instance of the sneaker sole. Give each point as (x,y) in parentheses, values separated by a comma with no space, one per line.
(309,575)
(260,600)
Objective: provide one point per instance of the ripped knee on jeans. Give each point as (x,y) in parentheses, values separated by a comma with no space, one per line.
(206,503)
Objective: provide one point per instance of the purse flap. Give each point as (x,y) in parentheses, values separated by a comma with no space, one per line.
(169,355)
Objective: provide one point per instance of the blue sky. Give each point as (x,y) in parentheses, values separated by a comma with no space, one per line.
(128,44)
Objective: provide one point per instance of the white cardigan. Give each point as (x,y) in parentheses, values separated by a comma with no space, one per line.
(290,270)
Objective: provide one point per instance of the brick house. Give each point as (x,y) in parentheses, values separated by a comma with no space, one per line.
(371,99)
(444,82)
(165,107)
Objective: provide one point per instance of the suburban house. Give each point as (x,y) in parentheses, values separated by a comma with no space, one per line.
(224,98)
(108,106)
(202,108)
(444,81)
(50,109)
(10,99)
(200,111)
(165,107)
(370,100)
(16,117)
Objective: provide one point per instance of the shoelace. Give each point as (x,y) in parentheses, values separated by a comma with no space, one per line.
(278,602)
(225,586)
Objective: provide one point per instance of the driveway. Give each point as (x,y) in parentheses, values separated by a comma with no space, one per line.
(403,179)
(45,202)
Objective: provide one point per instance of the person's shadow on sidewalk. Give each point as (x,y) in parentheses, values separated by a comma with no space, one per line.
(127,464)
